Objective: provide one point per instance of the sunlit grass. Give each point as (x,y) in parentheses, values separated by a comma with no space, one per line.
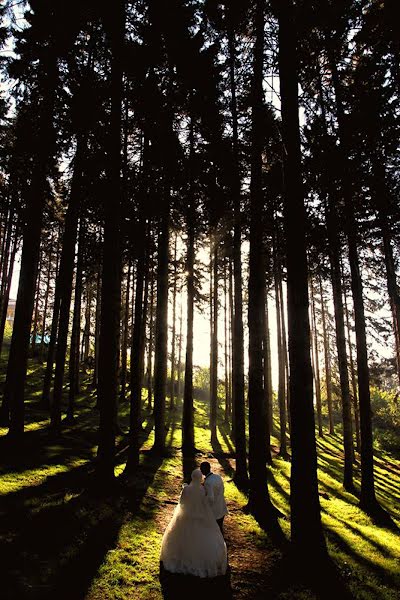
(367,555)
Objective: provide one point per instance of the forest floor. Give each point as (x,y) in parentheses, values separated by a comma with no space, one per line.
(60,539)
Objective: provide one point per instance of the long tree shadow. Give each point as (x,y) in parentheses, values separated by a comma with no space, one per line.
(66,543)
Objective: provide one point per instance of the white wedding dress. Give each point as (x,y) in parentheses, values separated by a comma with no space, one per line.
(193,543)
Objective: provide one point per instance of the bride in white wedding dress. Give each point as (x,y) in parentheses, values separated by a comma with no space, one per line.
(192,543)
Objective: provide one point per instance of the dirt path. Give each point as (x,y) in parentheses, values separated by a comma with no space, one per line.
(252,560)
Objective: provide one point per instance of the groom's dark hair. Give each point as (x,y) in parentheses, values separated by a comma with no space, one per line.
(205,467)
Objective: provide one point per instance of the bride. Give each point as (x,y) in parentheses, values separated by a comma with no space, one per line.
(192,543)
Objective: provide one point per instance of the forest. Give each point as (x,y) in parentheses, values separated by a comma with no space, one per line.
(199,260)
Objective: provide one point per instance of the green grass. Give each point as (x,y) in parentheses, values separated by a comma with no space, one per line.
(109,546)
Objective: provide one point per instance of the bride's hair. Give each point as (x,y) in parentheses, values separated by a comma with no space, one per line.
(196,476)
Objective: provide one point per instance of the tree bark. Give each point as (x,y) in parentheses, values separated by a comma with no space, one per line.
(65,282)
(161,334)
(173,340)
(259,500)
(73,370)
(125,335)
(137,348)
(368,499)
(35,202)
(238,405)
(107,390)
(151,341)
(214,346)
(316,363)
(328,379)
(306,529)
(353,377)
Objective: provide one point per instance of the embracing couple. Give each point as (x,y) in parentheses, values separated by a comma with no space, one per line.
(193,543)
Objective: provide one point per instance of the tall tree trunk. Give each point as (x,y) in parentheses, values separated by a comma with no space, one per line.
(86,331)
(268,367)
(226,355)
(328,378)
(65,282)
(368,499)
(97,331)
(336,280)
(238,407)
(46,302)
(107,389)
(179,391)
(232,347)
(73,371)
(259,499)
(35,202)
(125,334)
(161,336)
(151,341)
(281,367)
(35,323)
(188,445)
(353,377)
(173,340)
(267,378)
(214,345)
(307,536)
(316,363)
(342,354)
(136,358)
(4,305)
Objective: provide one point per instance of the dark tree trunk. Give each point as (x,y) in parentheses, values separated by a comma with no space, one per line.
(173,340)
(232,349)
(73,371)
(65,282)
(46,301)
(151,341)
(161,335)
(137,348)
(316,363)
(238,405)
(188,445)
(259,500)
(179,391)
(336,280)
(268,368)
(187,417)
(227,415)
(281,366)
(35,202)
(86,331)
(368,499)
(353,378)
(125,335)
(35,322)
(97,331)
(107,390)
(341,351)
(5,300)
(328,378)
(214,346)
(306,529)
(267,378)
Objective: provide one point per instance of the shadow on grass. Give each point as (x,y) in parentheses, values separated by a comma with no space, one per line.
(59,548)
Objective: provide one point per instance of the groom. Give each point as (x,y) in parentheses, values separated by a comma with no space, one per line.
(215,493)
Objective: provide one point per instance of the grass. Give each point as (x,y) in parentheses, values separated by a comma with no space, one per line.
(61,540)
